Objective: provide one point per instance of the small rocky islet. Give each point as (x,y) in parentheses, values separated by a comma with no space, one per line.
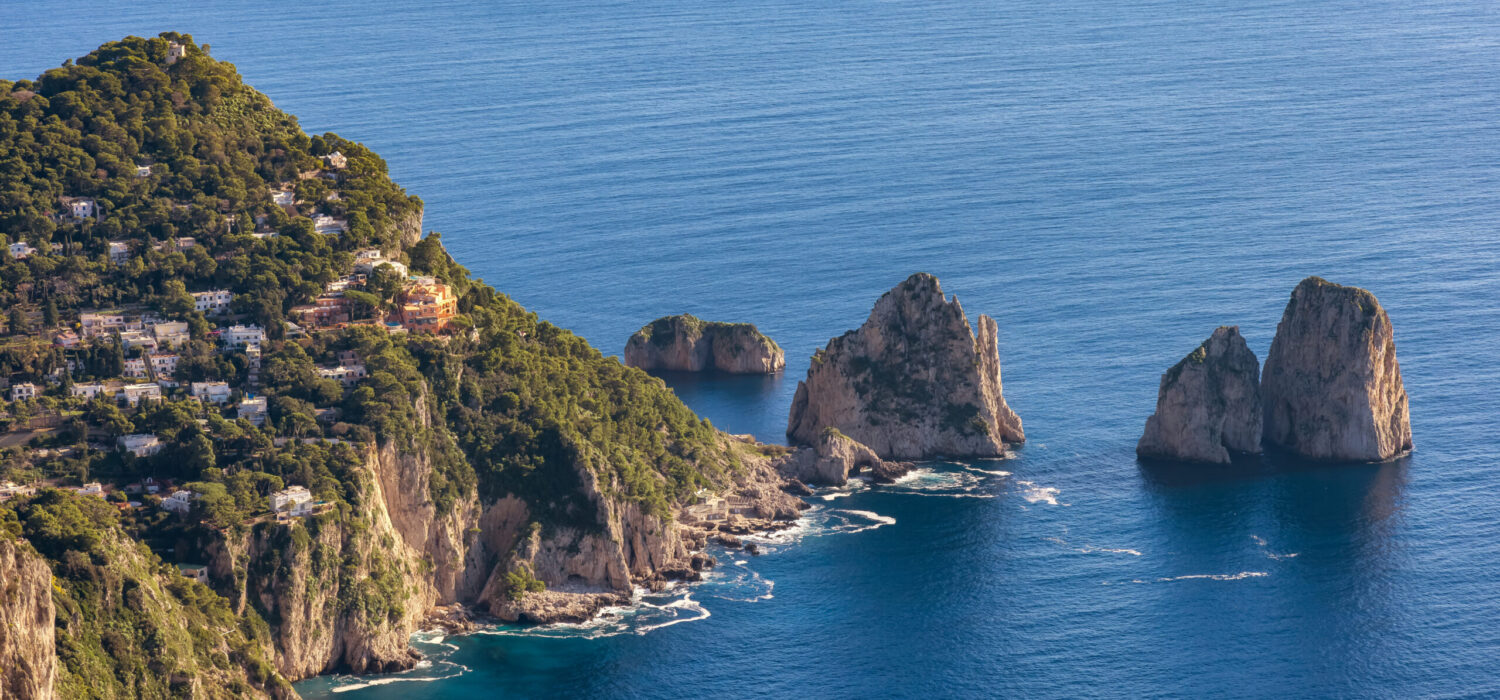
(686,343)
(1331,388)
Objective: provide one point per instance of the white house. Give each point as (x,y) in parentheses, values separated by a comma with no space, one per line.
(296,500)
(79,207)
(212,392)
(367,261)
(175,52)
(179,502)
(171,332)
(21,250)
(119,252)
(237,336)
(163,364)
(143,171)
(89,391)
(336,161)
(345,374)
(329,226)
(9,490)
(253,410)
(138,339)
(23,391)
(140,444)
(93,488)
(283,198)
(196,572)
(136,393)
(135,368)
(214,301)
(100,322)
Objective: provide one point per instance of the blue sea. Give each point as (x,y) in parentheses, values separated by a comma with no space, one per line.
(1108,180)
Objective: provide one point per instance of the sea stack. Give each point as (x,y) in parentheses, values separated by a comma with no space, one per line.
(1208,404)
(913,382)
(686,343)
(1332,387)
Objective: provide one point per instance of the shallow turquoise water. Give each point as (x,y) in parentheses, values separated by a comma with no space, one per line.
(1108,180)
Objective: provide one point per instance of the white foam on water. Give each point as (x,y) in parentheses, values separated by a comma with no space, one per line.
(818,521)
(1039,494)
(849,488)
(1261,542)
(1202,577)
(734,582)
(991,472)
(435,659)
(1091,549)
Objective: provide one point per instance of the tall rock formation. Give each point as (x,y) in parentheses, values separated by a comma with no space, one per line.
(1208,404)
(1332,387)
(688,344)
(913,382)
(28,663)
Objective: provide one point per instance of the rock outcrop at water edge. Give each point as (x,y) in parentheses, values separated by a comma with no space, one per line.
(913,382)
(1332,387)
(835,457)
(688,344)
(1208,404)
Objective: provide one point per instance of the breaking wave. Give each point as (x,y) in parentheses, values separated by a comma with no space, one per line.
(1200,577)
(435,666)
(1039,494)
(1261,542)
(1091,549)
(647,610)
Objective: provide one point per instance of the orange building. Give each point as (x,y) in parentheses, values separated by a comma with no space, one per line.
(427,304)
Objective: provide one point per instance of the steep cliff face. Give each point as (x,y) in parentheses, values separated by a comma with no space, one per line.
(339,591)
(913,382)
(585,569)
(409,227)
(1208,404)
(124,623)
(1332,387)
(686,343)
(28,662)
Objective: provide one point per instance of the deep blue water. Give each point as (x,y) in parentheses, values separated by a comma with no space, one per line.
(1109,180)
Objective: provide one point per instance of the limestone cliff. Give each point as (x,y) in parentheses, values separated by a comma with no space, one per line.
(125,624)
(1208,404)
(1332,387)
(28,663)
(686,343)
(834,457)
(913,382)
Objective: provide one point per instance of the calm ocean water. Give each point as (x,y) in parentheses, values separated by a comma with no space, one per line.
(1110,181)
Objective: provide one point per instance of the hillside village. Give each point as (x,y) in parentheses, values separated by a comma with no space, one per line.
(81,388)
